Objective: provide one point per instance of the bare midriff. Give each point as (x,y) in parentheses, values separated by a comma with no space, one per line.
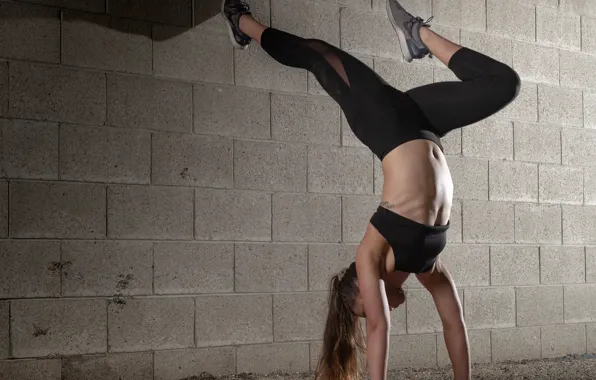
(417,183)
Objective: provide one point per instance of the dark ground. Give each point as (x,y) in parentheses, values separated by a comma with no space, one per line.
(578,367)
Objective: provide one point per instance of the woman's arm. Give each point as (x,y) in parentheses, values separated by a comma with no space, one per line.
(442,288)
(369,259)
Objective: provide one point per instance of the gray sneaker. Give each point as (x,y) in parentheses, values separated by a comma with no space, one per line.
(408,31)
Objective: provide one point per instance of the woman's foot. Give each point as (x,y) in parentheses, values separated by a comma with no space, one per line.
(232,10)
(408,31)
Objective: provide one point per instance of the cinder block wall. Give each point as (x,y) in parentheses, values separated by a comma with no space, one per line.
(170,206)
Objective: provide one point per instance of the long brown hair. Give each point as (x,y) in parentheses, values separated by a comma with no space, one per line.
(343,341)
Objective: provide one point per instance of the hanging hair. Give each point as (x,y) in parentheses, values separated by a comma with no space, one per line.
(343,341)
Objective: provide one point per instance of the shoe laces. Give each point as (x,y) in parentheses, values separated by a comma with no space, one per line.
(420,20)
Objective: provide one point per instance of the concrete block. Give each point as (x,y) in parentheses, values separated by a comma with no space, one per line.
(270,358)
(539,305)
(469,265)
(591,264)
(255,68)
(555,28)
(488,222)
(452,142)
(28,269)
(3,88)
(404,76)
(183,160)
(307,19)
(422,8)
(514,265)
(558,341)
(590,110)
(133,366)
(512,19)
(181,364)
(493,46)
(490,138)
(469,14)
(413,351)
(139,212)
(577,70)
(106,268)
(150,324)
(546,3)
(30,149)
(251,119)
(470,177)
(344,170)
(95,6)
(29,33)
(577,146)
(192,54)
(356,213)
(106,43)
(537,143)
(135,102)
(560,106)
(4,330)
(455,231)
(516,344)
(588,34)
(232,215)
(591,336)
(536,63)
(486,308)
(298,316)
(382,43)
(300,217)
(325,261)
(579,224)
(480,348)
(56,94)
(32,369)
(208,268)
(100,154)
(56,210)
(580,305)
(232,320)
(305,119)
(422,316)
(271,268)
(560,184)
(525,106)
(57,327)
(3,209)
(378,172)
(158,11)
(270,166)
(582,7)
(537,223)
(513,181)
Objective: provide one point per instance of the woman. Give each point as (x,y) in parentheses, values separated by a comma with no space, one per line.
(408,231)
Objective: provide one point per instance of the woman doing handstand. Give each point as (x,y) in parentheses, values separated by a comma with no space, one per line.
(407,232)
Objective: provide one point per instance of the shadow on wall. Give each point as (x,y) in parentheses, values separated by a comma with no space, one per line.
(114,14)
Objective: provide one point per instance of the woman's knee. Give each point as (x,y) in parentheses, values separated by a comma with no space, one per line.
(507,85)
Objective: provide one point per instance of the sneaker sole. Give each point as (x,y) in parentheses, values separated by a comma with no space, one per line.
(401,36)
(230,29)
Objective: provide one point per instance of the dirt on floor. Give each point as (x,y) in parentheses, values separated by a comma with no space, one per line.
(577,367)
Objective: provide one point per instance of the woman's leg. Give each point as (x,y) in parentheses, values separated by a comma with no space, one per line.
(487,86)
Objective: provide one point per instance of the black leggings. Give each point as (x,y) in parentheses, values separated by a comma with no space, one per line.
(383,117)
